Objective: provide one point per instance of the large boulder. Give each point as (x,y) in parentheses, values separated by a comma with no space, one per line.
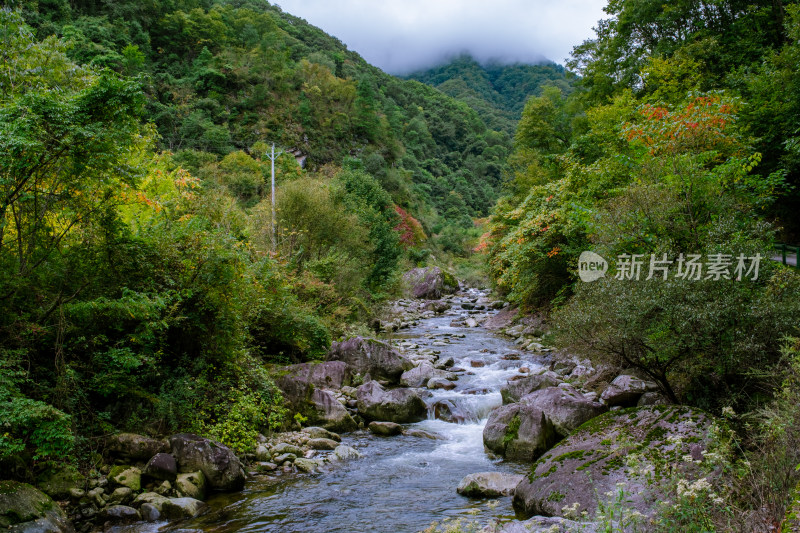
(161,466)
(513,390)
(396,405)
(325,375)
(26,509)
(329,413)
(626,390)
(369,356)
(488,484)
(318,405)
(565,407)
(593,460)
(430,283)
(120,514)
(519,432)
(418,376)
(135,447)
(220,466)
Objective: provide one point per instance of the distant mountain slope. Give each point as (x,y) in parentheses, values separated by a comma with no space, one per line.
(496,92)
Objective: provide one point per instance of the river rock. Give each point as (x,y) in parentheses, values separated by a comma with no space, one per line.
(385,429)
(626,390)
(120,514)
(306,465)
(419,433)
(518,432)
(440,383)
(344,452)
(285,447)
(162,466)
(192,485)
(592,460)
(448,411)
(178,508)
(219,464)
(135,447)
(512,391)
(126,476)
(437,306)
(488,484)
(322,444)
(396,405)
(120,496)
(564,407)
(149,513)
(154,499)
(24,509)
(417,376)
(315,432)
(370,356)
(284,457)
(429,283)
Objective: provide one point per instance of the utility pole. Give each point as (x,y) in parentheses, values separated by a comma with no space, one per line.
(272,156)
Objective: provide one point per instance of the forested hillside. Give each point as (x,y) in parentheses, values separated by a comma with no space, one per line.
(496,91)
(679,142)
(139,284)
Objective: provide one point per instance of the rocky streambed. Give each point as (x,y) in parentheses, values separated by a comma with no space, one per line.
(457,412)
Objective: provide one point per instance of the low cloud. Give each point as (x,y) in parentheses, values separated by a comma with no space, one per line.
(400,36)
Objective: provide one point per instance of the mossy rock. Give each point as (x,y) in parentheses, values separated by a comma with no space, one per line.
(126,476)
(613,448)
(25,508)
(58,484)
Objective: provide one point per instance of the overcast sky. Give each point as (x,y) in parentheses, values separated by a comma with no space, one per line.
(404,35)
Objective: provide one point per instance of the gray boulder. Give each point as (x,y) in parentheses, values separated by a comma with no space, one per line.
(512,391)
(162,466)
(429,283)
(26,509)
(396,405)
(519,432)
(626,390)
(135,447)
(178,508)
(149,513)
(329,413)
(369,356)
(306,465)
(440,383)
(592,460)
(120,514)
(219,464)
(417,376)
(564,407)
(488,484)
(344,452)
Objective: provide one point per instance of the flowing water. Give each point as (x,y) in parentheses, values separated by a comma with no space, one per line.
(402,483)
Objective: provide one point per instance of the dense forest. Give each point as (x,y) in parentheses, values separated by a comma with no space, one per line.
(681,137)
